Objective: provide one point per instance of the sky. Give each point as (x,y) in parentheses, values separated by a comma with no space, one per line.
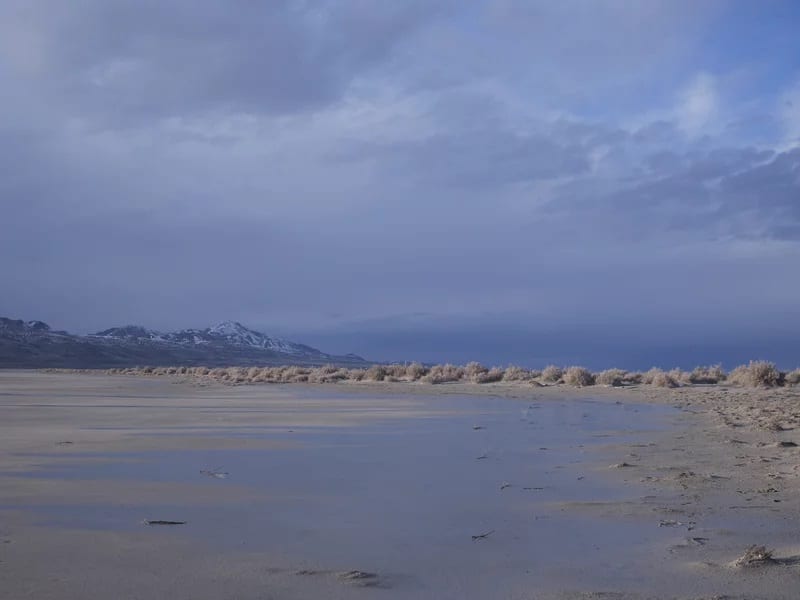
(602,182)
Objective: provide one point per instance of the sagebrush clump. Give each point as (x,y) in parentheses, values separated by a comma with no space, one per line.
(552,374)
(758,373)
(492,375)
(707,375)
(578,377)
(416,371)
(659,378)
(612,377)
(680,376)
(514,373)
(444,374)
(474,370)
(376,373)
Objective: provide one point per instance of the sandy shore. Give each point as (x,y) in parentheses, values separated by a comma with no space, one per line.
(725,475)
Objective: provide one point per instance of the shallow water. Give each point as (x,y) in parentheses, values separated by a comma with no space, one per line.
(403,497)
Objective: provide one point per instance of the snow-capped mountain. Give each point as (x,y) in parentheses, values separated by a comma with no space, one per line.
(131,333)
(229,333)
(33,343)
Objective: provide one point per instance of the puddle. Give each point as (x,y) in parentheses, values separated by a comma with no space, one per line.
(405,496)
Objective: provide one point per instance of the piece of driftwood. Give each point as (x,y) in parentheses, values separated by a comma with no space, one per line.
(756,556)
(162,522)
(482,536)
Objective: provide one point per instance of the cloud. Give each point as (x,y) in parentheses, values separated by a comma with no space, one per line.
(699,105)
(789,112)
(151,60)
(314,167)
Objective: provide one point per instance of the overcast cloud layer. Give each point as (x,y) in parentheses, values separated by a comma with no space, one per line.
(508,180)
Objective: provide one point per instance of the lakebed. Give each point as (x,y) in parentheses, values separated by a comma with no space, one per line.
(392,490)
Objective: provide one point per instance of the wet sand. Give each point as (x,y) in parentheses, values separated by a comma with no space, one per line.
(376,490)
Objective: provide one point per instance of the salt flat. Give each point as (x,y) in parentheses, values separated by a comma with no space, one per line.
(384,490)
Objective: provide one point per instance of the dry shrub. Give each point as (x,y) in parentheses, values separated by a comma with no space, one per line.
(273,375)
(376,373)
(286,374)
(340,375)
(793,377)
(552,374)
(415,371)
(395,371)
(236,373)
(256,375)
(514,373)
(633,378)
(265,374)
(648,376)
(326,375)
(297,371)
(758,373)
(680,376)
(357,374)
(578,377)
(489,376)
(473,370)
(659,378)
(709,375)
(444,374)
(613,377)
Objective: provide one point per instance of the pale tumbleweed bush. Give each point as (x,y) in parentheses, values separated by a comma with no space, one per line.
(633,378)
(444,374)
(492,375)
(659,378)
(396,371)
(552,374)
(758,373)
(680,376)
(474,370)
(707,375)
(612,377)
(376,373)
(416,371)
(514,373)
(578,377)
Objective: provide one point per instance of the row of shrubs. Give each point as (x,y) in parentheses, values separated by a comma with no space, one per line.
(754,374)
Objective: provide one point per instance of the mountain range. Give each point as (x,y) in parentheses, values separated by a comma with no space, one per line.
(35,344)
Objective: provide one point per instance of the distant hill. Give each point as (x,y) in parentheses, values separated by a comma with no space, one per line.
(35,344)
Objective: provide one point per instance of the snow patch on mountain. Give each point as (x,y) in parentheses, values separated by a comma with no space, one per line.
(236,333)
(229,333)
